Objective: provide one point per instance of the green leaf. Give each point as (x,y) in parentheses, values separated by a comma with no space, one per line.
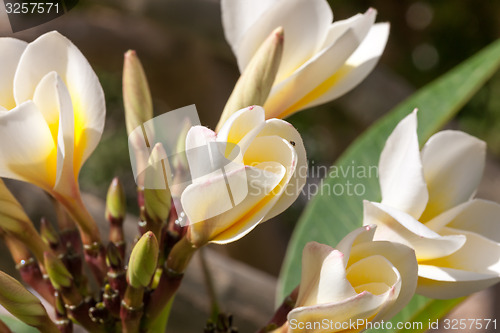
(332,214)
(17,326)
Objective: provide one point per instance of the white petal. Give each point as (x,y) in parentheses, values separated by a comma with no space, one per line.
(288,95)
(445,283)
(355,70)
(478,216)
(357,236)
(242,127)
(318,74)
(54,52)
(286,131)
(279,150)
(361,306)
(222,220)
(28,151)
(479,254)
(305,24)
(400,169)
(239,16)
(360,23)
(199,153)
(453,164)
(53,100)
(313,256)
(403,259)
(333,283)
(10,53)
(396,226)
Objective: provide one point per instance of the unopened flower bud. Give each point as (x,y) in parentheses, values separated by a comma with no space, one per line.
(59,276)
(255,83)
(23,304)
(48,233)
(136,94)
(116,205)
(113,257)
(143,261)
(157,198)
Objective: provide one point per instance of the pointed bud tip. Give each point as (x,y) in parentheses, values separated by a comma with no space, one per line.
(130,53)
(59,275)
(143,261)
(115,200)
(279,33)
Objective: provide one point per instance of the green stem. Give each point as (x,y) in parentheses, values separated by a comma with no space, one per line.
(170,280)
(132,309)
(161,322)
(94,251)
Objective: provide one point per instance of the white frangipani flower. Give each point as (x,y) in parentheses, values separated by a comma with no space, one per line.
(428,204)
(52,113)
(360,280)
(265,176)
(321,60)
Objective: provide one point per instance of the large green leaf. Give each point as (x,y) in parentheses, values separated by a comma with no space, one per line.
(331,214)
(17,326)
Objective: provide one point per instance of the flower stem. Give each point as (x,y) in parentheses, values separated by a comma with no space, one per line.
(132,308)
(94,251)
(170,280)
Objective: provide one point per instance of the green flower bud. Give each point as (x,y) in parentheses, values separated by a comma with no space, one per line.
(255,83)
(59,276)
(12,215)
(113,256)
(116,205)
(48,233)
(157,202)
(143,261)
(23,304)
(136,94)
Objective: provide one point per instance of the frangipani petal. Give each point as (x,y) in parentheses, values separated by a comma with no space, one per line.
(453,164)
(297,169)
(313,256)
(398,255)
(301,40)
(360,23)
(216,218)
(291,91)
(478,254)
(333,285)
(361,306)
(242,127)
(400,170)
(356,68)
(54,52)
(28,152)
(445,283)
(10,53)
(477,216)
(397,226)
(54,102)
(355,237)
(239,16)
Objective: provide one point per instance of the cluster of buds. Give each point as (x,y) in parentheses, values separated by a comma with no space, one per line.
(55,270)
